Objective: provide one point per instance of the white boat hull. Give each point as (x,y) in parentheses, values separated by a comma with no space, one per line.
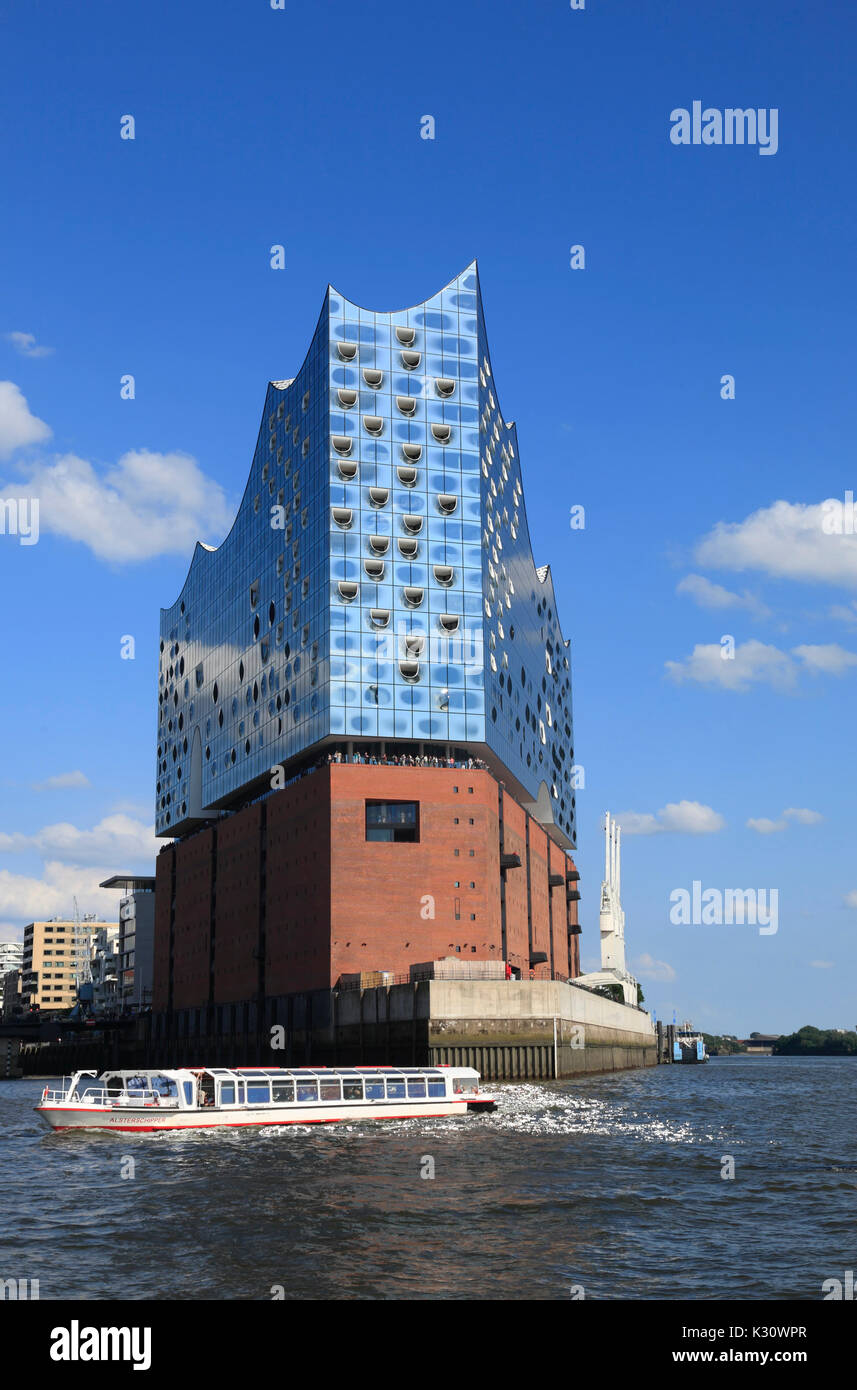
(151,1117)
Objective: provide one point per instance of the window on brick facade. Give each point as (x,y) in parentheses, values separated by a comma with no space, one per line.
(393,820)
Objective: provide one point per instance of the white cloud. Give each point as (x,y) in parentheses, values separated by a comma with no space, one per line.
(647,968)
(709,595)
(786,541)
(18,427)
(117,840)
(678,817)
(62,779)
(829,659)
(149,504)
(753,662)
(845,613)
(765,826)
(821,964)
(26,345)
(850,899)
(26,899)
(802,815)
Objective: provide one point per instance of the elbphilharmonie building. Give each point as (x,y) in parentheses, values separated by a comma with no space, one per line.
(376,601)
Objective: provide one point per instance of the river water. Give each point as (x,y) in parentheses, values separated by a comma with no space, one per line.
(609,1186)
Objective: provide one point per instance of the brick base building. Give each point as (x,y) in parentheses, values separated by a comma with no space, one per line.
(358,867)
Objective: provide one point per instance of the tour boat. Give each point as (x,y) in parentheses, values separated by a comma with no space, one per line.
(214,1097)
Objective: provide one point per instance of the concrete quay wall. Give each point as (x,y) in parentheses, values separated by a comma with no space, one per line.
(506,1029)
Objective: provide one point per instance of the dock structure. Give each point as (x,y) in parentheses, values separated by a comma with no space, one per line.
(508,1030)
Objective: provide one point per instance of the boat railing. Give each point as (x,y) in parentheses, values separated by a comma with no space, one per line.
(103,1096)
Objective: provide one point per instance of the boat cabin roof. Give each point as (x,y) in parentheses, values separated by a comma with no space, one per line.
(263,1073)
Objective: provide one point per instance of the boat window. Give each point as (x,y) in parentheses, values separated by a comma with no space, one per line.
(374,1090)
(352,1089)
(227,1093)
(331,1090)
(115,1085)
(88,1088)
(188,1092)
(436,1086)
(307,1090)
(416,1087)
(395,1090)
(258,1093)
(460,1084)
(164,1086)
(284,1092)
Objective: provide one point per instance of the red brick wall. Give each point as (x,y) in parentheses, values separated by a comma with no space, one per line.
(517,928)
(297,947)
(338,904)
(395,904)
(236,971)
(161,954)
(192,930)
(539,842)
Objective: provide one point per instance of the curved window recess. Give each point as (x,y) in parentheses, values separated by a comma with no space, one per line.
(254,594)
(441,433)
(412,523)
(305,401)
(379,544)
(348,470)
(346,398)
(305,448)
(413,596)
(347,590)
(412,452)
(444,574)
(414,644)
(407,405)
(410,671)
(407,475)
(445,386)
(373,376)
(406,336)
(493,661)
(379,617)
(374,569)
(448,502)
(449,622)
(342,443)
(378,496)
(347,351)
(542,734)
(408,548)
(411,360)
(484,469)
(443,699)
(343,517)
(373,424)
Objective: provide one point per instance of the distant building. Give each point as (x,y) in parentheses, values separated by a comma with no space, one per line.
(104,968)
(12,1001)
(136,944)
(57,957)
(11,959)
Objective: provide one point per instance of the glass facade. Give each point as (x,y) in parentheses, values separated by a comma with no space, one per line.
(378,581)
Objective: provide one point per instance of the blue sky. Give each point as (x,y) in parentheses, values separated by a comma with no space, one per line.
(703,516)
